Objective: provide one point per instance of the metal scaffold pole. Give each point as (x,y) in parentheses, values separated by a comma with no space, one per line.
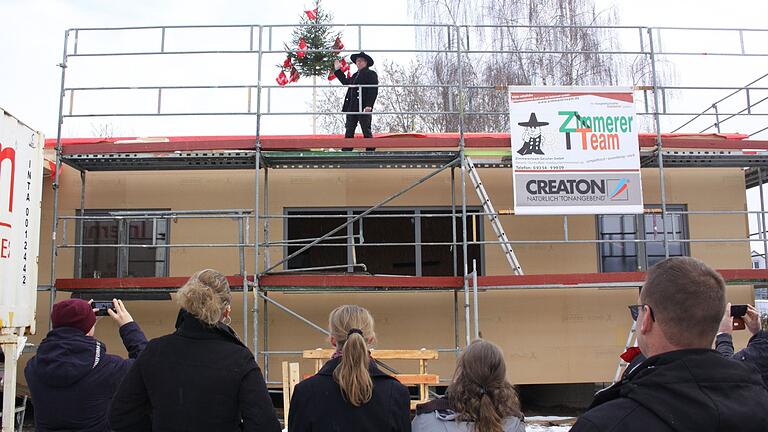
(257,181)
(659,145)
(463,159)
(761,220)
(265,251)
(56,179)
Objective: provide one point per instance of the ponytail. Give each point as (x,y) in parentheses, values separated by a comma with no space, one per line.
(352,374)
(351,327)
(488,419)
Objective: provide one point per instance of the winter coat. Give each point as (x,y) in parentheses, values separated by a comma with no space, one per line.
(437,416)
(72,378)
(200,378)
(362,76)
(756,352)
(682,391)
(317,404)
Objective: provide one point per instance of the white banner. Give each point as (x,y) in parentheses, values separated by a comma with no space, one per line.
(575,150)
(21,180)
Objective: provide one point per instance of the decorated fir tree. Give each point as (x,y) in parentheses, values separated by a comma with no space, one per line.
(309,36)
(311,52)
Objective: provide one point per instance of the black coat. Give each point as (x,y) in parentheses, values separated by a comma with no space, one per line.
(200,378)
(318,405)
(693,390)
(363,76)
(72,378)
(756,352)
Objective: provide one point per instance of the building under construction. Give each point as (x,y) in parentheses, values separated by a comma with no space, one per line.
(420,231)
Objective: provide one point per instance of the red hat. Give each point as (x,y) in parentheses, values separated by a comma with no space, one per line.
(75,313)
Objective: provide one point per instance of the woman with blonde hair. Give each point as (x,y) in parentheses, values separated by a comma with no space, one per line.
(350,393)
(480,399)
(199,378)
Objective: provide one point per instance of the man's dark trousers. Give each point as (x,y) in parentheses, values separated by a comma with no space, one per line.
(351,125)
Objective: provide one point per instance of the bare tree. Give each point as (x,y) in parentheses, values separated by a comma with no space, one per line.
(536,42)
(104,130)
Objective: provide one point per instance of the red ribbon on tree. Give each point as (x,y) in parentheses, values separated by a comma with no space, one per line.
(287,63)
(338,45)
(282,80)
(294,75)
(331,76)
(344,65)
(311,14)
(302,48)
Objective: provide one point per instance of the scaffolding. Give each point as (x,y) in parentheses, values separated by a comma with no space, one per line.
(437,153)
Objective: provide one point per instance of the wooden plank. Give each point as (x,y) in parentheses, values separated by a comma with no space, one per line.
(422,354)
(414,379)
(294,375)
(286,391)
(417,402)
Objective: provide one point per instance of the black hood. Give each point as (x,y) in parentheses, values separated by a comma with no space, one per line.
(65,356)
(699,390)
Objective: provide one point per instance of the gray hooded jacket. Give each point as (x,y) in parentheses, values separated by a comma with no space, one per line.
(435,417)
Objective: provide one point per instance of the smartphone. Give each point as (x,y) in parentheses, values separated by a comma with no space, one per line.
(102,307)
(738,310)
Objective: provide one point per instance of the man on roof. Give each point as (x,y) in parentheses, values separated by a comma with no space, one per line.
(352,101)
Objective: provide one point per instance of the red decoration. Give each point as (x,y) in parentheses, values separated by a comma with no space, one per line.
(331,76)
(52,167)
(282,80)
(344,65)
(302,48)
(338,45)
(349,75)
(287,63)
(311,14)
(630,354)
(294,75)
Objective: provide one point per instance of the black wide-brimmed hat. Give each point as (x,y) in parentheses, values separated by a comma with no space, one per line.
(533,122)
(367,58)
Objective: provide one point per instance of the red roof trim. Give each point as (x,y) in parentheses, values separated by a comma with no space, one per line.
(352,281)
(390,141)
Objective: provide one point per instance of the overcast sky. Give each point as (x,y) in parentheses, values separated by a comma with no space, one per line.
(32,40)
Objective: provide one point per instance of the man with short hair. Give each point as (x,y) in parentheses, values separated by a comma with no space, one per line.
(684,385)
(72,379)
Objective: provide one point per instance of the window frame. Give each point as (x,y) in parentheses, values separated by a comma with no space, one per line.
(640,234)
(350,213)
(123,231)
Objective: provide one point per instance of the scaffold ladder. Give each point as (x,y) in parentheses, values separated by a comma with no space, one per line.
(493,217)
(631,341)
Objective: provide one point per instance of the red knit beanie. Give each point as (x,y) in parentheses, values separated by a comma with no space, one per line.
(75,313)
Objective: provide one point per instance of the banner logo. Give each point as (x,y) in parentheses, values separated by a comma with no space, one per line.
(532,137)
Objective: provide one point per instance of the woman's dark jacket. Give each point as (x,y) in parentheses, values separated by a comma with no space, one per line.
(362,76)
(200,378)
(72,378)
(318,405)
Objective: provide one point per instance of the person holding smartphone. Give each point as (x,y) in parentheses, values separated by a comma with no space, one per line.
(72,378)
(756,351)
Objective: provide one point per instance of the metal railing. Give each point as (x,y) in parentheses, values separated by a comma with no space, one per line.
(259,42)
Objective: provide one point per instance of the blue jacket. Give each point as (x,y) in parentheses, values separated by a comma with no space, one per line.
(72,378)
(756,352)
